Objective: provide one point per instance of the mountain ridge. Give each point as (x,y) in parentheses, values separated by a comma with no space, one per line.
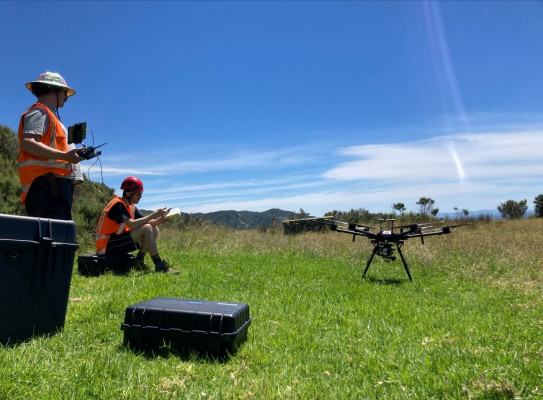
(246,219)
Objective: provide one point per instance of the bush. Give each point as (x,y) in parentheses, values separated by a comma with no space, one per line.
(539,206)
(512,209)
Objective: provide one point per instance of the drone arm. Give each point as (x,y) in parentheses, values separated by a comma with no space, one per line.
(445,230)
(353,232)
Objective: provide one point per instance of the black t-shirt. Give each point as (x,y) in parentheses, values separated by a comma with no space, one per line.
(119,211)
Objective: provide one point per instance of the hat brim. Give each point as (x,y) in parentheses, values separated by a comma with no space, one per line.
(71,91)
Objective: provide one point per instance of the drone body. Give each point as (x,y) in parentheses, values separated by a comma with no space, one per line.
(383,240)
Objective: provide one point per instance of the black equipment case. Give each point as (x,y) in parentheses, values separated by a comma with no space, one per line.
(94,265)
(90,265)
(36,264)
(211,327)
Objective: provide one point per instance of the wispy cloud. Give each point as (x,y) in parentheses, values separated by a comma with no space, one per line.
(169,161)
(477,156)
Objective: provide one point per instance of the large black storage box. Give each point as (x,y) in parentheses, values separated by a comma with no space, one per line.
(36,263)
(212,327)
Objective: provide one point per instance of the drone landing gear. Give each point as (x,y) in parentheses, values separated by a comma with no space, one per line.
(399,247)
(386,251)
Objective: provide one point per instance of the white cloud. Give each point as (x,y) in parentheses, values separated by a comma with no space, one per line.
(166,161)
(447,158)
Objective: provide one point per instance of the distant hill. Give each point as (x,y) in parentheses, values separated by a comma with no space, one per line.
(246,219)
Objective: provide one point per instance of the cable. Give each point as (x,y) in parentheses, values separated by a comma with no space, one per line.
(93,164)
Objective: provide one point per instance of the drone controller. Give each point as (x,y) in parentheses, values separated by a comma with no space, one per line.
(89,152)
(76,134)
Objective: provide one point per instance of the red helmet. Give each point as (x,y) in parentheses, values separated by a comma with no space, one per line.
(132,183)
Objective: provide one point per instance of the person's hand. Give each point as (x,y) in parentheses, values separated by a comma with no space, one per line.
(72,157)
(161,212)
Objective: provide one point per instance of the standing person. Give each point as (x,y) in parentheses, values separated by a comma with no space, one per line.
(122,228)
(45,159)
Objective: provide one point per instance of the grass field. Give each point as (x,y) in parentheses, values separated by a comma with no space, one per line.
(469,325)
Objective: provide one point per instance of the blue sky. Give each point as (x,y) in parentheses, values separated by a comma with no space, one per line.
(319,105)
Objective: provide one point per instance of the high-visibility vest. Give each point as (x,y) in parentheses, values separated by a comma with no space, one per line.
(107,227)
(30,166)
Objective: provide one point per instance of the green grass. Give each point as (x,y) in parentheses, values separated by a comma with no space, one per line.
(468,326)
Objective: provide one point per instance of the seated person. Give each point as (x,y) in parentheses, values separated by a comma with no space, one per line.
(122,228)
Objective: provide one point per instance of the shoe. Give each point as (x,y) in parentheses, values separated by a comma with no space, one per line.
(162,266)
(139,264)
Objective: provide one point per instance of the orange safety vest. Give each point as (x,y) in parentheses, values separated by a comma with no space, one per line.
(107,227)
(30,166)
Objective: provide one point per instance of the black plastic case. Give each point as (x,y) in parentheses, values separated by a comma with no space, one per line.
(212,327)
(36,264)
(94,265)
(90,265)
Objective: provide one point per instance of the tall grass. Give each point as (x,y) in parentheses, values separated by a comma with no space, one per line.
(468,326)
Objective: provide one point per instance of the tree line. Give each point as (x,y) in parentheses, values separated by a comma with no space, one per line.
(427,211)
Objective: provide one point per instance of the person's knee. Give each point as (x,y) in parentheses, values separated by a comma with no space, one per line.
(142,233)
(147,230)
(150,233)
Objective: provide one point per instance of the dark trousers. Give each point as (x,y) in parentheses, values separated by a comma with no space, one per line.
(121,244)
(50,197)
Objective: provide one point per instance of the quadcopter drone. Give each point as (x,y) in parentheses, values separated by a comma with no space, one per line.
(383,239)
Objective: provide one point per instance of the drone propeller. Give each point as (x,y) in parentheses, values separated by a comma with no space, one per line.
(456,226)
(431,223)
(405,226)
(363,227)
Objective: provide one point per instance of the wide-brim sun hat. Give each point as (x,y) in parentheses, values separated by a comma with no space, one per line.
(53,79)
